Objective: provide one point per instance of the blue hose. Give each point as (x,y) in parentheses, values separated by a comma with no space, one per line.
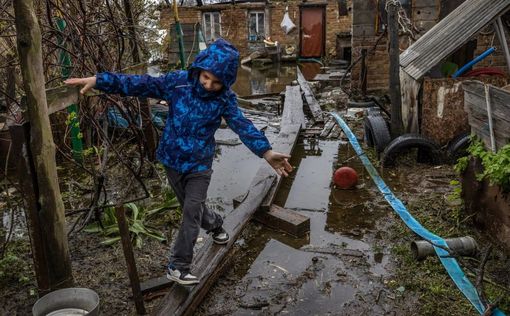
(474,62)
(451,265)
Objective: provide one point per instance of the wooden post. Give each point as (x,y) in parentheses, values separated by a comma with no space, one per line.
(130,259)
(396,102)
(50,208)
(27,179)
(150,137)
(364,72)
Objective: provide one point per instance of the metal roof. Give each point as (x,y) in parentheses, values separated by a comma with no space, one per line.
(449,34)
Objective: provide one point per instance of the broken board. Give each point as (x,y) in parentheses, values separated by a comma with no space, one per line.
(314,106)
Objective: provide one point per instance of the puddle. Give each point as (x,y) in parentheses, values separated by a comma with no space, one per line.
(326,272)
(271,79)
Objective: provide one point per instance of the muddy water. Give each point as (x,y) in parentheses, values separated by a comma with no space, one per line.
(336,268)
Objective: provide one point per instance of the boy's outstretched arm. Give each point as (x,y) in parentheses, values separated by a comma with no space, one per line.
(255,140)
(129,85)
(87,83)
(279,162)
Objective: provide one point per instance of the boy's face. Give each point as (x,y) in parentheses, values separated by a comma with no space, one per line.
(210,82)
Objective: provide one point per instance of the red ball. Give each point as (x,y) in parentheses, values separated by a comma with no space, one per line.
(345,177)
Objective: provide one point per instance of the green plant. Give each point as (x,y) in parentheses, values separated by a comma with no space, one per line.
(496,165)
(136,219)
(457,190)
(461,164)
(169,201)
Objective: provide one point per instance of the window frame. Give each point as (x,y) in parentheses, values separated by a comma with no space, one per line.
(210,28)
(261,35)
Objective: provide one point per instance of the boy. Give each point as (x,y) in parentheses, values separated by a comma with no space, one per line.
(198,98)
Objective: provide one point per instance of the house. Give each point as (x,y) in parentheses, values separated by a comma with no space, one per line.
(368,17)
(322,27)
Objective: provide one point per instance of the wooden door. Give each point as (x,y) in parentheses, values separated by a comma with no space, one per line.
(312,32)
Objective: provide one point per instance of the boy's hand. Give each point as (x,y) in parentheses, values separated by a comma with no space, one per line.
(87,83)
(279,162)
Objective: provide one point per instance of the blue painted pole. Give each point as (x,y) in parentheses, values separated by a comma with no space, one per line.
(474,62)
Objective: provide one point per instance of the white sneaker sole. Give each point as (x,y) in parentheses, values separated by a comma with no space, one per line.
(221,242)
(182,282)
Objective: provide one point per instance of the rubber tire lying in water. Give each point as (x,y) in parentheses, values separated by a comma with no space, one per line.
(428,150)
(457,147)
(377,134)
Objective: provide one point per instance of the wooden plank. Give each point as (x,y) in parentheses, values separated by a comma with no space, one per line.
(284,219)
(61,97)
(294,119)
(210,257)
(475,106)
(310,98)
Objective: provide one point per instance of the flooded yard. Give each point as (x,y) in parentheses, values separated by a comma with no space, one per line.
(355,259)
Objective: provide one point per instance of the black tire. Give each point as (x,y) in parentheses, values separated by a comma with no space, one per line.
(377,134)
(458,147)
(360,104)
(373,111)
(428,150)
(368,136)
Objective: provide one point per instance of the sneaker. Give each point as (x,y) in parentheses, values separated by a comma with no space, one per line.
(181,277)
(220,236)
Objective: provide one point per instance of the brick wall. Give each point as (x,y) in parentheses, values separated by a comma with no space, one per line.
(364,36)
(234,21)
(496,59)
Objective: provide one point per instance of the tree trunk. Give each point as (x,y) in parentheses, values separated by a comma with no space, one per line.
(395,95)
(51,217)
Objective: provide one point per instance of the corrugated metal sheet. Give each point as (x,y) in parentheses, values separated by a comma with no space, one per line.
(449,34)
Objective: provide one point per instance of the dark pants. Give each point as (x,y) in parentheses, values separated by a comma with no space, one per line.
(191,191)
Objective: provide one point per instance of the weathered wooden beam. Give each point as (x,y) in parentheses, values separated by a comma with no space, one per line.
(476,107)
(294,120)
(211,257)
(285,220)
(310,98)
(60,98)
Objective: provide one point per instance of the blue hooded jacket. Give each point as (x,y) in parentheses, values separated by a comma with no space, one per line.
(187,143)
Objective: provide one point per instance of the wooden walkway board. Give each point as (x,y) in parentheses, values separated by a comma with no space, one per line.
(284,219)
(293,120)
(310,98)
(210,258)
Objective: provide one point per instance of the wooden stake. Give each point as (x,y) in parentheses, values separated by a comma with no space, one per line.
(396,102)
(130,259)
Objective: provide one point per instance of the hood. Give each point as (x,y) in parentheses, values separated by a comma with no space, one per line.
(221,58)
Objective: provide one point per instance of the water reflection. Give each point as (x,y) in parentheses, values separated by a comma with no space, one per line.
(271,79)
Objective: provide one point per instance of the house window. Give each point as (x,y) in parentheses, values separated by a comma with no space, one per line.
(256,30)
(212,26)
